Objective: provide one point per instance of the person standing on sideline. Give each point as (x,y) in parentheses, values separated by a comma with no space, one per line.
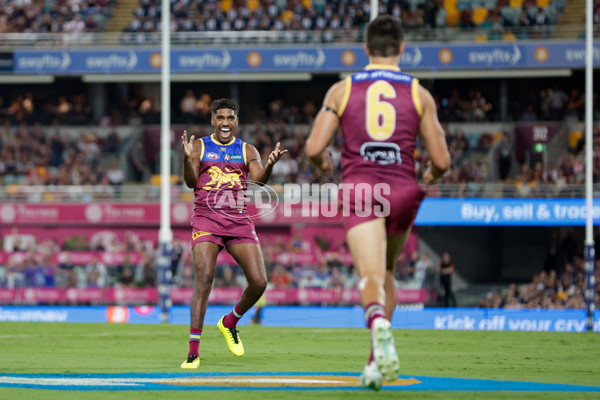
(217,168)
(446,269)
(380,111)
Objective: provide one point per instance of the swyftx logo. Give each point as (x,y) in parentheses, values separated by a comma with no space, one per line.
(230,202)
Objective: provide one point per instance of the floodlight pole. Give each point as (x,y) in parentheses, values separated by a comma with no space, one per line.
(589,223)
(165,234)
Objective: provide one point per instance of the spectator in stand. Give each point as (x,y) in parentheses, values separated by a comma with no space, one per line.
(3,276)
(547,290)
(187,276)
(187,107)
(139,164)
(478,108)
(446,270)
(423,268)
(176,259)
(30,270)
(126,276)
(529,115)
(411,265)
(15,277)
(66,272)
(557,100)
(337,279)
(575,106)
(115,175)
(97,273)
(297,243)
(540,22)
(112,143)
(145,271)
(280,278)
(16,241)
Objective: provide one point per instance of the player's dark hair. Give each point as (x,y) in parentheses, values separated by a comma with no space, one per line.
(384,35)
(224,103)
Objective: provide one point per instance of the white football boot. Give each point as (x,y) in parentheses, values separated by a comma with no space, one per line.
(371,378)
(384,349)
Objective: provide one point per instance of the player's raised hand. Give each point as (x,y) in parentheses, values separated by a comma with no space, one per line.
(187,147)
(276,154)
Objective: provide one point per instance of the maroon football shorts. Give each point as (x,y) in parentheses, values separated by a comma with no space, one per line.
(360,201)
(222,231)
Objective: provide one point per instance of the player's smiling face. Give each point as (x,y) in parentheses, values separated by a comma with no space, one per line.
(224,121)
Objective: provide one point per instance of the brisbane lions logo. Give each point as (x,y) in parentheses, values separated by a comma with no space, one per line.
(218,177)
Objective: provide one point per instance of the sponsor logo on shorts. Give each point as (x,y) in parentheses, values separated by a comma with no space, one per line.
(212,156)
(198,234)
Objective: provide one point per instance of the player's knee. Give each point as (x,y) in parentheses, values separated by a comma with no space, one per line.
(370,281)
(260,284)
(204,280)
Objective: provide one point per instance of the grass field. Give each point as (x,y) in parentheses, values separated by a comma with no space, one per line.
(567,358)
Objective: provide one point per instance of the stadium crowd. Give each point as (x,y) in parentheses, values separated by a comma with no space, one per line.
(455,104)
(316,21)
(30,264)
(311,20)
(68,17)
(37,155)
(560,285)
(547,290)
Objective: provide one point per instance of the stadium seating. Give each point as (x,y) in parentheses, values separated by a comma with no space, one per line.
(317,16)
(56,17)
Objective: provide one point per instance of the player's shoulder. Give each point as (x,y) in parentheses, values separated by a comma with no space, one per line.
(337,91)
(425,96)
(203,139)
(339,86)
(198,143)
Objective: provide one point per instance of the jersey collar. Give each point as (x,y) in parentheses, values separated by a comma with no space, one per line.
(382,66)
(212,137)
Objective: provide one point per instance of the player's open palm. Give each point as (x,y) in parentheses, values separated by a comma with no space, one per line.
(187,147)
(276,154)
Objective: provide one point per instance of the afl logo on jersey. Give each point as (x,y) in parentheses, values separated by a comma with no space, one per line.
(212,156)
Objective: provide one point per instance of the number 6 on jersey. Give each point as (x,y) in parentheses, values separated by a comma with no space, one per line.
(381,115)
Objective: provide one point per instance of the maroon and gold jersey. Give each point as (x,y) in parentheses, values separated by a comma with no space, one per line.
(222,180)
(380,116)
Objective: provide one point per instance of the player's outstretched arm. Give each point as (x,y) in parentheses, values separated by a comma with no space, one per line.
(259,173)
(434,139)
(191,159)
(325,126)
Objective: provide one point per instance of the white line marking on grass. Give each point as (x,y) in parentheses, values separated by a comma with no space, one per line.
(16,336)
(67,381)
